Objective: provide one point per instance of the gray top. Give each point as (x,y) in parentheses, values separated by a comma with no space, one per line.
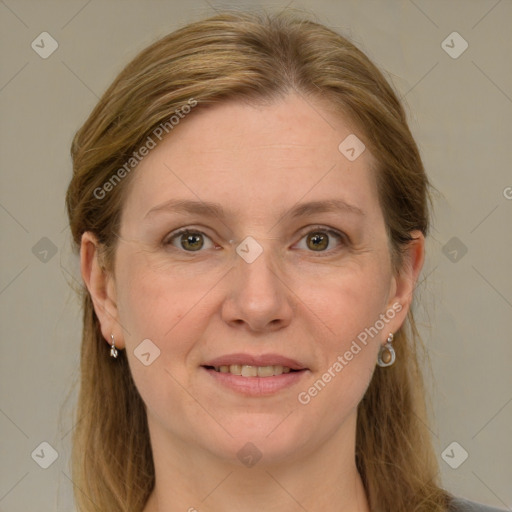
(461,505)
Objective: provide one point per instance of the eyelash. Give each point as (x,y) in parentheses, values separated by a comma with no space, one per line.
(342,238)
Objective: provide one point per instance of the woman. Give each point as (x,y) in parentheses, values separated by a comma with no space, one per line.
(251,210)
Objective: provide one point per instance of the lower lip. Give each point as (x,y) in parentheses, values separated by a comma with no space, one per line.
(256,386)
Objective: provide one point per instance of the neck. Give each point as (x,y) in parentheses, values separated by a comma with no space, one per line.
(325,479)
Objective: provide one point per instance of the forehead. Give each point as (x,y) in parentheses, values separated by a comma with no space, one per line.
(254,159)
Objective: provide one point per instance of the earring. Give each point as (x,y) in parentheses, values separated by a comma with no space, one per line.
(113,349)
(387,354)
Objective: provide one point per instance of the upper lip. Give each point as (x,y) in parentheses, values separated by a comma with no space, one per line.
(255,360)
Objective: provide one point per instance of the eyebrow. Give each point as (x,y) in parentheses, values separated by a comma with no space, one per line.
(206,208)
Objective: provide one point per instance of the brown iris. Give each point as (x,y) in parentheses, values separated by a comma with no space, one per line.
(194,241)
(320,240)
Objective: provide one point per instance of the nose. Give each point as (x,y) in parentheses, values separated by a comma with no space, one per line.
(258,299)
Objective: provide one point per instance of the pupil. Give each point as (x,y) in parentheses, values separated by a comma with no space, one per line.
(319,240)
(190,240)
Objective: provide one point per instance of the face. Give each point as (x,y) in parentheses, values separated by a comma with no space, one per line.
(295,296)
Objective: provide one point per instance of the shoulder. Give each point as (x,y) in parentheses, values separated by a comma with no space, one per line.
(462,505)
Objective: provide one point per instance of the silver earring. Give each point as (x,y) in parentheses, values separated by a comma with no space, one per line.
(113,349)
(387,354)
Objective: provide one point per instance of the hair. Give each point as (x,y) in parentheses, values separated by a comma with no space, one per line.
(249,57)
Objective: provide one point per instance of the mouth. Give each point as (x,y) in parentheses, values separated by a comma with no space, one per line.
(254,375)
(246,370)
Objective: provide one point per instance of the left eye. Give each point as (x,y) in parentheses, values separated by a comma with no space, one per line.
(318,239)
(193,241)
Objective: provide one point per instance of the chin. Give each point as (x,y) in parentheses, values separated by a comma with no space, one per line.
(259,439)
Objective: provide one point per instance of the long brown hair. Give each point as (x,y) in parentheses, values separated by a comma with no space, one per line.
(251,57)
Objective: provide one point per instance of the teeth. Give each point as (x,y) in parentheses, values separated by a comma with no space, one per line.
(249,371)
(265,371)
(235,369)
(253,371)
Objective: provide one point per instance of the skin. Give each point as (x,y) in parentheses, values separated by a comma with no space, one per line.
(306,304)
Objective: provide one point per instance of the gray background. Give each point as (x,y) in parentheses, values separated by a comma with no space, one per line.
(460,110)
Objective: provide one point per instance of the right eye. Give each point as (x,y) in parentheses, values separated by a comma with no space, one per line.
(189,240)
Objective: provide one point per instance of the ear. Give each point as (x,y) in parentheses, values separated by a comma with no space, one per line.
(100,284)
(404,283)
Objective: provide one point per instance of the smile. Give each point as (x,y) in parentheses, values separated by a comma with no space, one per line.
(255,381)
(246,370)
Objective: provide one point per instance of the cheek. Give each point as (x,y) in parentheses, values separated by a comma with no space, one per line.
(167,306)
(153,298)
(353,306)
(355,298)
(158,307)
